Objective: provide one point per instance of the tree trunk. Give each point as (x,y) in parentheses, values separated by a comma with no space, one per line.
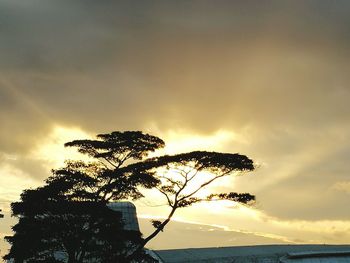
(151,236)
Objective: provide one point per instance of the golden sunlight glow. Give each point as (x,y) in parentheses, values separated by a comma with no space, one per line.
(193,185)
(180,142)
(177,141)
(51,149)
(12,182)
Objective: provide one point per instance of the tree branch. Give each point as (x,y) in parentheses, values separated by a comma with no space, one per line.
(166,195)
(205,184)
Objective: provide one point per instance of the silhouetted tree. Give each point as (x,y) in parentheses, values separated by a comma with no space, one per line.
(120,171)
(54,229)
(1,215)
(175,177)
(67,219)
(183,176)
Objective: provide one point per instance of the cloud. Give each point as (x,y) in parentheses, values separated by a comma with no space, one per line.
(180,235)
(255,223)
(343,186)
(295,181)
(274,75)
(176,64)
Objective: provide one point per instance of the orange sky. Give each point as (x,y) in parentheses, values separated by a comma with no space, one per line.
(269,79)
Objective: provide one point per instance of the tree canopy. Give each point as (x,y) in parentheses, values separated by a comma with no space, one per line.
(75,197)
(178,179)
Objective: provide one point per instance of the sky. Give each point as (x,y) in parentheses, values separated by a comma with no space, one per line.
(268,79)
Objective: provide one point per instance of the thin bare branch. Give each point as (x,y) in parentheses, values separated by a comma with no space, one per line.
(171,181)
(205,184)
(166,195)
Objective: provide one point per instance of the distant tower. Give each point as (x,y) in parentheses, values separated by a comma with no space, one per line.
(129,216)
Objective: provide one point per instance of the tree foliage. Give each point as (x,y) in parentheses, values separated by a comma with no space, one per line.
(70,231)
(119,169)
(67,220)
(54,227)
